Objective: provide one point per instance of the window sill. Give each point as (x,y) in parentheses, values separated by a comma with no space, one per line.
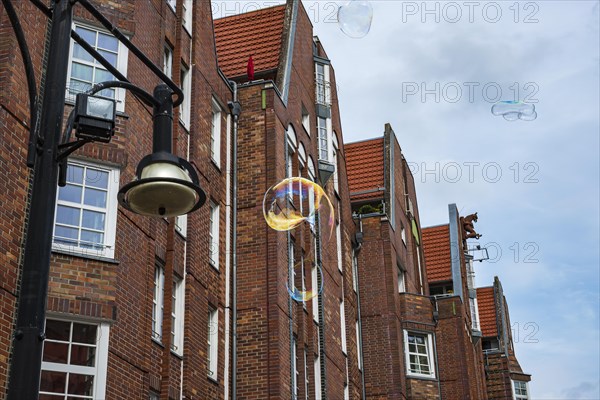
(185,126)
(421,377)
(179,356)
(86,256)
(158,343)
(215,267)
(214,380)
(215,164)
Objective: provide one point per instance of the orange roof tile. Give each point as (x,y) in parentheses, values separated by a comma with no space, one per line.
(436,248)
(364,164)
(486,305)
(257,34)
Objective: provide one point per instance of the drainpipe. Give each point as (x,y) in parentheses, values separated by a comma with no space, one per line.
(362,357)
(236,110)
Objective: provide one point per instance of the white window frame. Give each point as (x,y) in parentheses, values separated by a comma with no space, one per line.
(158,303)
(429,354)
(315,288)
(346,391)
(514,390)
(358,345)
(334,157)
(306,120)
(168,61)
(295,372)
(214,235)
(186,86)
(401,280)
(187,15)
(215,133)
(403,234)
(322,85)
(306,380)
(101,357)
(181,224)
(321,141)
(212,362)
(354,271)
(474,314)
(343,327)
(317,369)
(172,4)
(338,239)
(177,309)
(122,55)
(303,277)
(110,219)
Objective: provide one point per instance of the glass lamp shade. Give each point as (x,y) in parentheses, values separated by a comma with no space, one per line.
(163,189)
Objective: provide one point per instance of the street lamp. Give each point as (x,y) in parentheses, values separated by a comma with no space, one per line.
(166,185)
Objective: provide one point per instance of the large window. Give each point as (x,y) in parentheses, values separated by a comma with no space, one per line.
(343,326)
(85,71)
(214,235)
(74,360)
(401,280)
(212,343)
(336,173)
(474,314)
(186,86)
(317,368)
(521,391)
(358,345)
(158,303)
(315,288)
(177,296)
(86,210)
(419,356)
(295,371)
(354,271)
(215,134)
(168,61)
(323,89)
(338,238)
(306,381)
(323,139)
(187,15)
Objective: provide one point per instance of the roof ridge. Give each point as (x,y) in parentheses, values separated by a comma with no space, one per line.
(249,13)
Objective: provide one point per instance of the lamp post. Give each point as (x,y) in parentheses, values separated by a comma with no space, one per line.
(166,185)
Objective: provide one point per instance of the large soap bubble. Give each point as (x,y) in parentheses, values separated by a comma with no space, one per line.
(355,17)
(293,201)
(514,110)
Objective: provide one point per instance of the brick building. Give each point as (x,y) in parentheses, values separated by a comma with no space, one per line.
(505,378)
(399,339)
(290,127)
(138,303)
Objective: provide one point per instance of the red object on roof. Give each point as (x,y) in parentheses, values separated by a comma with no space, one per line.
(250,69)
(257,33)
(486,304)
(436,248)
(364,163)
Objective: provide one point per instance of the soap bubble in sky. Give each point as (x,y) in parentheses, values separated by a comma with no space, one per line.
(299,290)
(293,201)
(514,110)
(355,17)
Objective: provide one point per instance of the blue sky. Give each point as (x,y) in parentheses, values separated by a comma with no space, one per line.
(535,185)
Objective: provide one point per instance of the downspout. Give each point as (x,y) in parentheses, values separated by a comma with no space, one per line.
(236,110)
(436,316)
(227,259)
(362,357)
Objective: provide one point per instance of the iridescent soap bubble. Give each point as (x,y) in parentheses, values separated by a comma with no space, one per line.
(355,17)
(300,290)
(293,201)
(514,110)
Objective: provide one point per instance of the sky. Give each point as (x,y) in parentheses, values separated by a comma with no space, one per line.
(433,70)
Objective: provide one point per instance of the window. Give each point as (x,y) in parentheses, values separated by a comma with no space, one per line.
(154,396)
(212,351)
(336,175)
(520,390)
(305,374)
(322,139)
(403,234)
(315,288)
(187,15)
(86,210)
(158,302)
(343,326)
(172,3)
(295,372)
(338,238)
(346,391)
(74,360)
(444,289)
(420,269)
(177,297)
(322,84)
(186,86)
(490,345)
(358,345)
(168,61)
(354,271)
(419,360)
(303,277)
(214,235)
(305,120)
(474,314)
(317,367)
(85,71)
(215,134)
(181,224)
(401,283)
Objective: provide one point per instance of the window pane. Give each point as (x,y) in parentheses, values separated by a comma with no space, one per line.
(76,86)
(84,333)
(87,238)
(83,355)
(92,220)
(80,53)
(110,57)
(82,72)
(56,352)
(96,198)
(107,42)
(103,75)
(57,330)
(53,381)
(66,233)
(74,174)
(87,34)
(96,178)
(67,215)
(70,193)
(81,384)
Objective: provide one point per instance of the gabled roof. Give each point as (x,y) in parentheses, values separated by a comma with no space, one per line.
(364,163)
(486,305)
(256,33)
(436,248)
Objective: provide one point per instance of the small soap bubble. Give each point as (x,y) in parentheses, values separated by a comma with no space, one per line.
(355,17)
(514,110)
(300,290)
(293,201)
